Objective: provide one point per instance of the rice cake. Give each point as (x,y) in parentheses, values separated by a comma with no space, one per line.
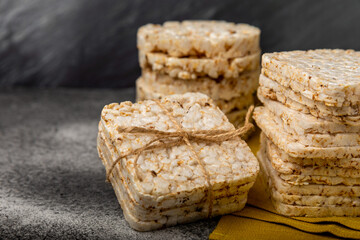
(315,140)
(309,211)
(315,163)
(303,123)
(326,180)
(304,190)
(212,39)
(289,144)
(176,180)
(321,142)
(223,88)
(277,96)
(144,92)
(328,76)
(158,213)
(284,164)
(271,86)
(142,226)
(299,176)
(193,68)
(307,200)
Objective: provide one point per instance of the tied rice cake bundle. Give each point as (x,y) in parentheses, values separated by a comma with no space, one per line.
(149,218)
(174,183)
(219,59)
(310,122)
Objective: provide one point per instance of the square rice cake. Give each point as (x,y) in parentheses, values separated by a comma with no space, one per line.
(331,76)
(305,200)
(284,164)
(311,189)
(311,206)
(309,145)
(172,176)
(212,39)
(306,196)
(286,94)
(322,201)
(277,96)
(312,166)
(304,123)
(314,139)
(328,176)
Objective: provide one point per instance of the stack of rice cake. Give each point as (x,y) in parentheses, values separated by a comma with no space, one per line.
(219,59)
(170,186)
(310,143)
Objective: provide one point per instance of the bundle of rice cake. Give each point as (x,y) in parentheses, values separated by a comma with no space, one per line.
(310,121)
(162,173)
(216,58)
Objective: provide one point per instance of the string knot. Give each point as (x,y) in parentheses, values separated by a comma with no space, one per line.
(185,135)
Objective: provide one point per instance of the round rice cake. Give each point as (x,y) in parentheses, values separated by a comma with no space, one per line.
(224,88)
(193,68)
(211,39)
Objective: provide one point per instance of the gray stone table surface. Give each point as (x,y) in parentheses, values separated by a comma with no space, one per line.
(52,183)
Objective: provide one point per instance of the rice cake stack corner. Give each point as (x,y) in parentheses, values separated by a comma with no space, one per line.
(217,58)
(168,186)
(310,121)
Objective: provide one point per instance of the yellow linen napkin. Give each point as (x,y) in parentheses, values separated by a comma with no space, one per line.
(259,220)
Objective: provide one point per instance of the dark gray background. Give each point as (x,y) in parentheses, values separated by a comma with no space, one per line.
(92,43)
